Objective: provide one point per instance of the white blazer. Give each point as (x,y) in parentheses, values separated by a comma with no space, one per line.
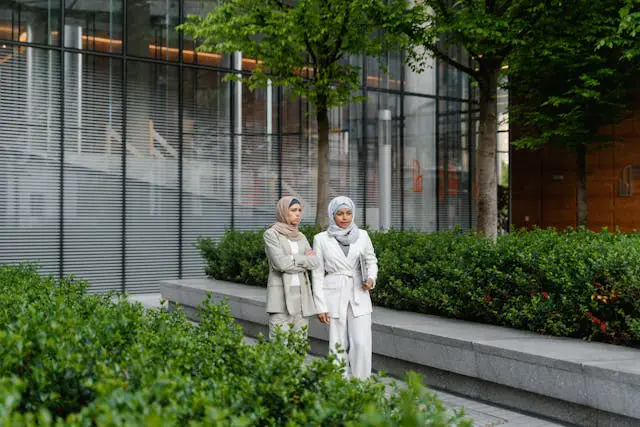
(338,280)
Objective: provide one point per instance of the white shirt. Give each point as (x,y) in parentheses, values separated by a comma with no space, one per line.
(295,280)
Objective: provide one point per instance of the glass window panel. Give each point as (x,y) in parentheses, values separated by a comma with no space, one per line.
(256,171)
(152,192)
(346,168)
(299,158)
(151,29)
(93,25)
(423,82)
(419,188)
(30,157)
(377,77)
(93,170)
(503,112)
(451,82)
(376,104)
(259,110)
(420,164)
(33,21)
(256,180)
(299,166)
(189,54)
(453,165)
(503,191)
(346,148)
(206,198)
(294,114)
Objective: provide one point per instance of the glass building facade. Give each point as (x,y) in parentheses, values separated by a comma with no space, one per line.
(120,145)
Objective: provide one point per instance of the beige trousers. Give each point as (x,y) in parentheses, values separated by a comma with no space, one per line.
(285,320)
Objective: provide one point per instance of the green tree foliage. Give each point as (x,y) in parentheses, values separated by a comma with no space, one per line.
(304,46)
(566,88)
(628,34)
(489,31)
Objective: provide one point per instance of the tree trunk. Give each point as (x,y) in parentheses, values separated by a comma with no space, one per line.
(581,186)
(322,117)
(487,219)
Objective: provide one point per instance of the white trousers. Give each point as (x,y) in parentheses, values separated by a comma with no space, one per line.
(354,336)
(285,321)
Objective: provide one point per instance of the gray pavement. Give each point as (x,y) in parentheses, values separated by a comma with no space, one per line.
(482,414)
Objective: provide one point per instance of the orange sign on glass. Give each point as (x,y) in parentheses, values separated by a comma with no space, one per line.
(416,176)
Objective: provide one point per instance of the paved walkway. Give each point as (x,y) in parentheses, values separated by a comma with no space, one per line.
(482,414)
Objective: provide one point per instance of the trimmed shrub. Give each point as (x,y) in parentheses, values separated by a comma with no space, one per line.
(239,256)
(574,283)
(70,359)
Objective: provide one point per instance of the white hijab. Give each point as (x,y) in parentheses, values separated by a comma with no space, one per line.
(345,236)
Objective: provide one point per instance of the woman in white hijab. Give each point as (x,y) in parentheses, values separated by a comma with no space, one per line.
(289,297)
(348,271)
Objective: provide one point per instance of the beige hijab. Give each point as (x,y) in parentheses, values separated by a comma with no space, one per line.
(281,225)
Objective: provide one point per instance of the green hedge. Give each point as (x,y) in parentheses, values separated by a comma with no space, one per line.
(70,359)
(571,283)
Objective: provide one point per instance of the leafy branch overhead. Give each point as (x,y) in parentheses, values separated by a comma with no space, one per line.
(627,35)
(586,85)
(304,46)
(488,31)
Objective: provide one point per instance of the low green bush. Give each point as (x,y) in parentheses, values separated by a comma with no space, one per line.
(574,283)
(71,359)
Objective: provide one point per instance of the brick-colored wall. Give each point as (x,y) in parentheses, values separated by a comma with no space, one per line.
(544,184)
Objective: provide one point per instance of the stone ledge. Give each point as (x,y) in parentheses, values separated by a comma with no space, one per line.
(570,380)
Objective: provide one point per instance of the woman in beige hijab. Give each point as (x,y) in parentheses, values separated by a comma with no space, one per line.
(289,296)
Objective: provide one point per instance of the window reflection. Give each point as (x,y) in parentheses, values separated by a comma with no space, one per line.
(420,163)
(385,75)
(190,56)
(92,25)
(453,165)
(32,21)
(424,82)
(151,29)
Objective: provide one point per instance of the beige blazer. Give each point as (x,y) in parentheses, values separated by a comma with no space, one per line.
(282,266)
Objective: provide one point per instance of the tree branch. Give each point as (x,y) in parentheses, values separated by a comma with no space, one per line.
(500,10)
(310,49)
(446,58)
(502,53)
(343,32)
(444,9)
(489,6)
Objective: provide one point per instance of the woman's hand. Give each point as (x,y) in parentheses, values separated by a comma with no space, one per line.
(309,252)
(368,285)
(324,318)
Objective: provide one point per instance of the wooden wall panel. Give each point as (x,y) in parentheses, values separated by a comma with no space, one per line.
(558,188)
(543,183)
(525,187)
